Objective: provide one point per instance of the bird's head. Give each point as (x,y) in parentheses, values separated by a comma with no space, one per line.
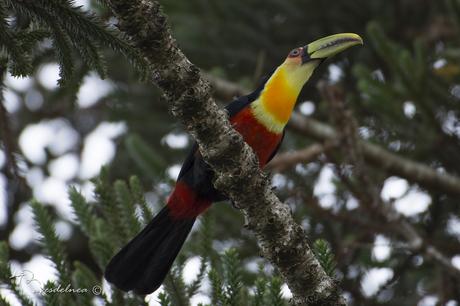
(301,62)
(278,97)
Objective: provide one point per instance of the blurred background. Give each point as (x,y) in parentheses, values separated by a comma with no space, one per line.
(402,88)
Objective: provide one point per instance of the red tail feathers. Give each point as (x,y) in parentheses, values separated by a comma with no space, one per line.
(185,204)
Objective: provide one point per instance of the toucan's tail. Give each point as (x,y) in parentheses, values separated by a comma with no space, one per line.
(143,263)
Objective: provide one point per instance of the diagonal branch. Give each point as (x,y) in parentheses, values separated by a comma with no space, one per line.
(282,241)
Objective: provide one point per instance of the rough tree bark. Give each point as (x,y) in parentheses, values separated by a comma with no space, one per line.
(282,241)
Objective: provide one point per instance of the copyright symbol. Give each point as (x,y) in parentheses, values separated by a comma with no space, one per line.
(97,290)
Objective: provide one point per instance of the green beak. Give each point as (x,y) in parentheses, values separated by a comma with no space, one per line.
(331,45)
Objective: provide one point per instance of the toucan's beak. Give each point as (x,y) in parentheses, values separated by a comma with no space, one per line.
(330,45)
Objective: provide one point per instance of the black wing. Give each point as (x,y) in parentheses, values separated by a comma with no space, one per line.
(238,104)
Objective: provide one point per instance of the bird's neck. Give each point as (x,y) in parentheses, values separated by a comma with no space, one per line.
(276,101)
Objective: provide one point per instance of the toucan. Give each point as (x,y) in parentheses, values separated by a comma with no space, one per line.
(260,117)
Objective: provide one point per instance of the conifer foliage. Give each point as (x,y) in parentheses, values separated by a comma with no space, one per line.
(401,92)
(25,24)
(121,208)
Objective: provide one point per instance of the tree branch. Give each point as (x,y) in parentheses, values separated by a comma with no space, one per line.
(286,160)
(366,190)
(281,240)
(380,157)
(223,89)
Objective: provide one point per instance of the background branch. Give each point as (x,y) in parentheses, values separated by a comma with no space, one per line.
(380,157)
(286,160)
(374,154)
(367,191)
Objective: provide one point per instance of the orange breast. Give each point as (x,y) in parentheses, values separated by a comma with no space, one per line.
(261,140)
(279,97)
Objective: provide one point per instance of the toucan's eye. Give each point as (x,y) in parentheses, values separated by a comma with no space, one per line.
(294,53)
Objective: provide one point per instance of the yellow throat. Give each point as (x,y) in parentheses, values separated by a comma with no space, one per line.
(275,103)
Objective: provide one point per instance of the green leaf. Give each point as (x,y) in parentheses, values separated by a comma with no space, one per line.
(20,61)
(10,280)
(53,246)
(126,209)
(52,297)
(217,294)
(261,285)
(102,248)
(138,197)
(232,273)
(192,289)
(148,160)
(106,199)
(175,287)
(325,256)
(83,210)
(163,299)
(84,279)
(275,297)
(69,26)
